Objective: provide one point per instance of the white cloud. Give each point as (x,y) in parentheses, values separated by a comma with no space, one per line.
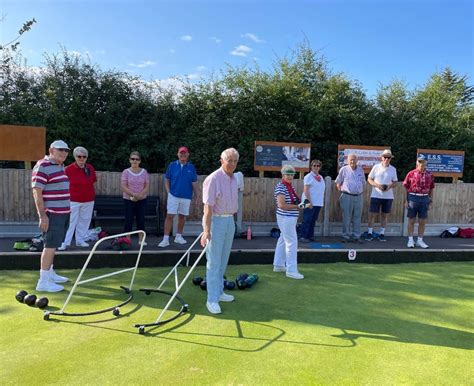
(193,76)
(186,38)
(200,68)
(142,64)
(253,37)
(241,50)
(172,51)
(216,40)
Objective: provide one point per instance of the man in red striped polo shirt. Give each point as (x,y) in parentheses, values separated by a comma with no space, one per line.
(51,194)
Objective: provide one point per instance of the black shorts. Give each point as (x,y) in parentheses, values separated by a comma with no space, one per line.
(377,203)
(58,226)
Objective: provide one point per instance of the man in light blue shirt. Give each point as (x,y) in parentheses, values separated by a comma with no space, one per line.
(180,183)
(351,182)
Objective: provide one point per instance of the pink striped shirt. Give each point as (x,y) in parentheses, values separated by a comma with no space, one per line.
(134,181)
(220,192)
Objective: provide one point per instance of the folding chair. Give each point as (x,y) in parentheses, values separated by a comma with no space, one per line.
(128,290)
(178,285)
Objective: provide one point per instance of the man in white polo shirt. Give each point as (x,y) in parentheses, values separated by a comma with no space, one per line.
(383,178)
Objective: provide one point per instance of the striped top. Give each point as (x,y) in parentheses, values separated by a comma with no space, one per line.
(281,189)
(51,178)
(135,182)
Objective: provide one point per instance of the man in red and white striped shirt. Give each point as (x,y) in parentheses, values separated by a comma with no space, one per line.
(51,194)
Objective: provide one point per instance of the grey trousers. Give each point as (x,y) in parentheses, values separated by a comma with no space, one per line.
(351,214)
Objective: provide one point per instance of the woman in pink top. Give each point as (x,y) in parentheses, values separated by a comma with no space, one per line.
(135,184)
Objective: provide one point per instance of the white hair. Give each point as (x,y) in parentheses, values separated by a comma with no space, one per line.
(79,150)
(227,153)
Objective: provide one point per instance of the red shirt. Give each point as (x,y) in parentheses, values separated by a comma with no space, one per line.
(81,183)
(418,182)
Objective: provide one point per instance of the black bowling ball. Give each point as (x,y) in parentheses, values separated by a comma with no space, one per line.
(20,295)
(30,300)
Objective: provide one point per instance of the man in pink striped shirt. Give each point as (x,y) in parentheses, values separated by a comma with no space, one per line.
(51,195)
(220,200)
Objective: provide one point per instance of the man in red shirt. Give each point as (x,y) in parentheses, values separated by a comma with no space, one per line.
(419,184)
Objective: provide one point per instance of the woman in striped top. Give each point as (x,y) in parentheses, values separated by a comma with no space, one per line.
(288,207)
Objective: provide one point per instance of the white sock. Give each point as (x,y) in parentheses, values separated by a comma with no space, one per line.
(178,235)
(369,230)
(44,275)
(410,238)
(166,238)
(420,238)
(382,231)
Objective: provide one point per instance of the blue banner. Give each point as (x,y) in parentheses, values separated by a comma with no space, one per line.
(444,163)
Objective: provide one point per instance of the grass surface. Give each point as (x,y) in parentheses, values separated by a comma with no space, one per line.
(343,324)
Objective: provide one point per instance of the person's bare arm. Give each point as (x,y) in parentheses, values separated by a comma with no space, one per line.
(39,203)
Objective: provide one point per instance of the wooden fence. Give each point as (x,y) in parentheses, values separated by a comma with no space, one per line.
(453,204)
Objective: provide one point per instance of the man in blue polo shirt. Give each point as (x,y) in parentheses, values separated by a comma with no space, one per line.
(180,183)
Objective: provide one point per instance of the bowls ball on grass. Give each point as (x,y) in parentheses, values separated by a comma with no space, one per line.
(42,303)
(30,300)
(20,295)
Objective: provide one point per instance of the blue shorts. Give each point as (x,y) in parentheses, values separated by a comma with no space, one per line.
(418,206)
(377,203)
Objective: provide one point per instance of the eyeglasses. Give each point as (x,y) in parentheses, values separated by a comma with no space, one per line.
(316,166)
(134,159)
(81,156)
(63,150)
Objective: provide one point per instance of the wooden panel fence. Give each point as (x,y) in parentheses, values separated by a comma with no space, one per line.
(453,204)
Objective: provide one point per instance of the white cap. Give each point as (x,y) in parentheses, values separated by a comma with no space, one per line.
(59,144)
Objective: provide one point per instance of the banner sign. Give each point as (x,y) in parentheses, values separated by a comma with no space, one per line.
(271,156)
(443,163)
(367,156)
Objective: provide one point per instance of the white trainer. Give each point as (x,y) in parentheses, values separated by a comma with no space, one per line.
(226,298)
(55,277)
(164,243)
(83,244)
(294,275)
(180,240)
(48,286)
(411,244)
(213,308)
(279,268)
(63,247)
(421,244)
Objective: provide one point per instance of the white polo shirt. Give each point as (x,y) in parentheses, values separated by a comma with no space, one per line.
(316,189)
(383,176)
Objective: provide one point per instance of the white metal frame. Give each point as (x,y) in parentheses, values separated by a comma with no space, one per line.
(178,285)
(128,290)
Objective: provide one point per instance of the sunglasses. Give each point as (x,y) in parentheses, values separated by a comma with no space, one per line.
(64,150)
(81,156)
(386,157)
(134,159)
(316,166)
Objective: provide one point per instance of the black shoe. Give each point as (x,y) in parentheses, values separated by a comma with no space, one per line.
(369,237)
(382,237)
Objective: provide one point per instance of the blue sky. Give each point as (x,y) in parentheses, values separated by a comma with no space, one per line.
(370,41)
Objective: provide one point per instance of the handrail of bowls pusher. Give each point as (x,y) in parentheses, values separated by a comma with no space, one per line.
(178,286)
(128,290)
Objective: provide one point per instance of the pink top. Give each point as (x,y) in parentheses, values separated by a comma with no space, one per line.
(418,182)
(220,193)
(134,181)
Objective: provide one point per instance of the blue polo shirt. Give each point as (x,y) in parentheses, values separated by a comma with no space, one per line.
(181,178)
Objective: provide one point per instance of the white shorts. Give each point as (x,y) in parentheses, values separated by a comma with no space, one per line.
(178,205)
